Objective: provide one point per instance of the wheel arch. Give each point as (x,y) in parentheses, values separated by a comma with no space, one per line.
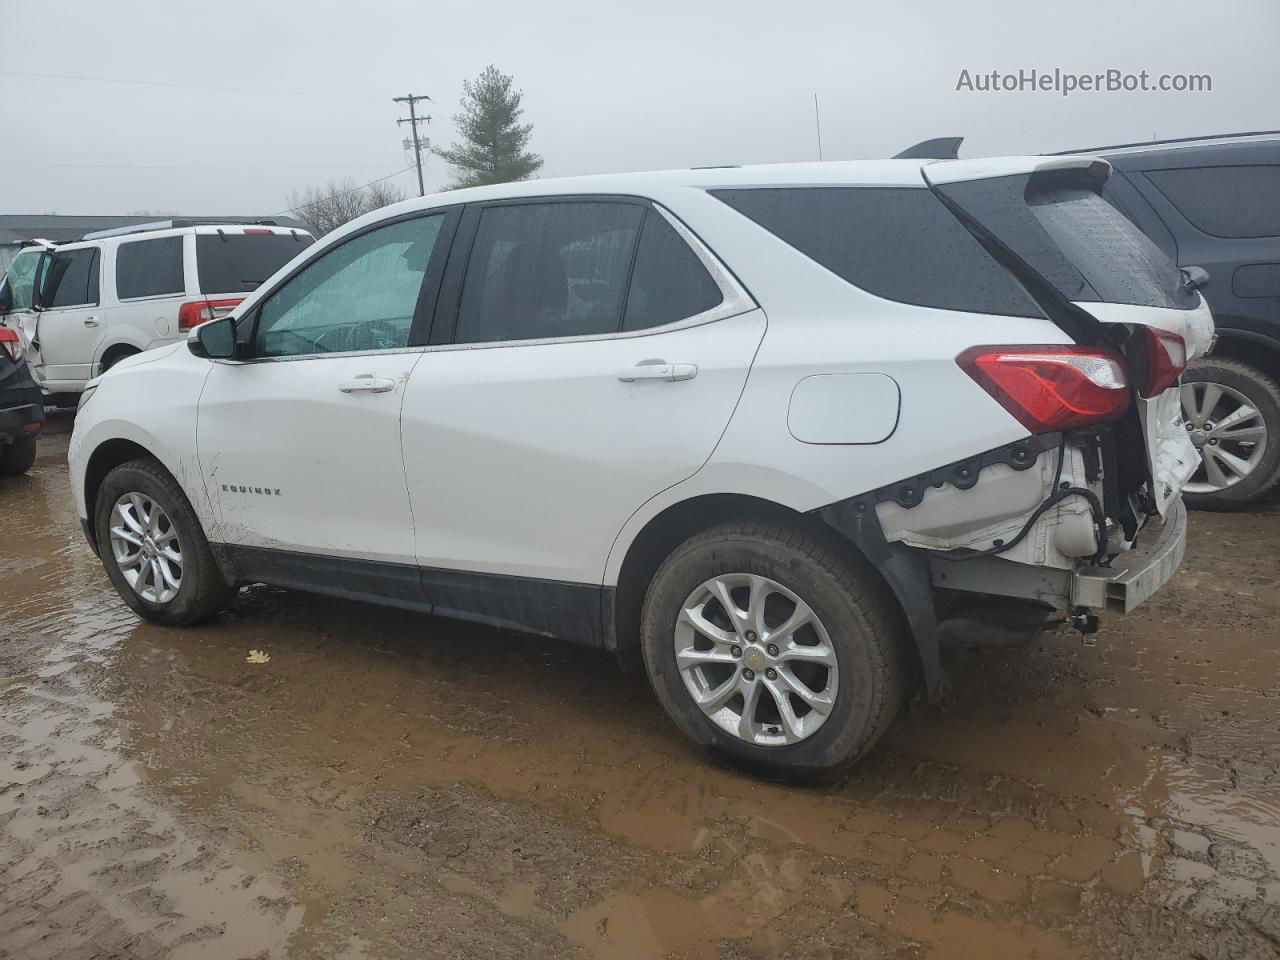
(122,339)
(1258,350)
(679,521)
(117,351)
(105,457)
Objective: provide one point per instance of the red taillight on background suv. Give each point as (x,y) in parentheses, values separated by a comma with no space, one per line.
(10,343)
(1053,386)
(1166,359)
(196,312)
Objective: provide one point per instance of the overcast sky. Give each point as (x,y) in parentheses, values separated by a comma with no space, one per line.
(645,85)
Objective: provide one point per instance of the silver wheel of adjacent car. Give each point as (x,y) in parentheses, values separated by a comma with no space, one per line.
(1229,432)
(144,543)
(756,659)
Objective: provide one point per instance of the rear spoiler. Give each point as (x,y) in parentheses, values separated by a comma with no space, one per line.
(939,148)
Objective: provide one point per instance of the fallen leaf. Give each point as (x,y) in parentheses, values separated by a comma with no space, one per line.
(258,656)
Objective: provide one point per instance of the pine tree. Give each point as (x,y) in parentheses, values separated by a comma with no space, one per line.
(492,148)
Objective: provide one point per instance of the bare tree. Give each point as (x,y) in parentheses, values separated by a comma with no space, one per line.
(329,207)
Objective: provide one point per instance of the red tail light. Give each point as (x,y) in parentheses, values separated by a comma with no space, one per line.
(1051,387)
(1166,359)
(10,343)
(196,312)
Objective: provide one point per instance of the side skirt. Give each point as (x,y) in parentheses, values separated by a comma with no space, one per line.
(551,608)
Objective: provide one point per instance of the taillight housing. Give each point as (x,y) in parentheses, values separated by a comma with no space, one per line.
(10,343)
(196,312)
(1166,359)
(1052,386)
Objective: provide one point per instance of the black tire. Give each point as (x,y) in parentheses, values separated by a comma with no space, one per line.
(202,591)
(1263,393)
(111,359)
(17,457)
(863,623)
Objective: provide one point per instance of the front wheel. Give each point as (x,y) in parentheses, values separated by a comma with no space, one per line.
(773,649)
(1232,413)
(154,549)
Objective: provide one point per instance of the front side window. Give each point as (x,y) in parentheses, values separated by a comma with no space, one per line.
(541,270)
(70,279)
(359,296)
(149,268)
(21,278)
(1239,201)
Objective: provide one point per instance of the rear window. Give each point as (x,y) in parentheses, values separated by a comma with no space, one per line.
(238,263)
(899,243)
(1225,201)
(149,268)
(1074,238)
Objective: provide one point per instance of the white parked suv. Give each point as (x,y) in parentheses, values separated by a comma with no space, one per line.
(81,307)
(774,432)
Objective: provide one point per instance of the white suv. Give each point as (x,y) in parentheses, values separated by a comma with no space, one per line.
(773,432)
(82,307)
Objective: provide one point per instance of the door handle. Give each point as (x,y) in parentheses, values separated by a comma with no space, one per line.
(659,371)
(90,321)
(367,383)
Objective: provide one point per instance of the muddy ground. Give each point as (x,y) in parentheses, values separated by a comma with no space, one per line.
(396,786)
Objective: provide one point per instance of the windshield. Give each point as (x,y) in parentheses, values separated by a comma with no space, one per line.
(238,262)
(20,278)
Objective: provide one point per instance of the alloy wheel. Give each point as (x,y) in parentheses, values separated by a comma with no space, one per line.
(756,659)
(1228,431)
(144,543)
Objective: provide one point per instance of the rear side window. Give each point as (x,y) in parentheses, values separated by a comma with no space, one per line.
(71,279)
(899,243)
(1225,201)
(669,282)
(149,268)
(239,262)
(548,270)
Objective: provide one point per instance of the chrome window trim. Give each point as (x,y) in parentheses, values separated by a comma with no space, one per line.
(736,301)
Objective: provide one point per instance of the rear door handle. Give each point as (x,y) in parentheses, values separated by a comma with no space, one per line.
(367,383)
(659,371)
(90,321)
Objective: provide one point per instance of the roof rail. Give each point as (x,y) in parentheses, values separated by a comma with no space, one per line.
(939,148)
(1156,143)
(172,225)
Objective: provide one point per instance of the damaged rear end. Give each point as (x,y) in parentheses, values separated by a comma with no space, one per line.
(1085,512)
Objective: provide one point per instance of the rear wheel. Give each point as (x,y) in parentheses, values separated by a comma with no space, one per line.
(771,648)
(154,549)
(1232,412)
(18,456)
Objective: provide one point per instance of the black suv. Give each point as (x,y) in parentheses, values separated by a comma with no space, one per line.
(21,407)
(1214,203)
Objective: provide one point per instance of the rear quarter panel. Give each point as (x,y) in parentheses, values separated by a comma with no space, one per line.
(820,324)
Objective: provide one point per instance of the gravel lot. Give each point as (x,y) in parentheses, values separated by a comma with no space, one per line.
(393,786)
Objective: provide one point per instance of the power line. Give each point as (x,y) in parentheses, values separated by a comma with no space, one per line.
(353,190)
(158,166)
(189,86)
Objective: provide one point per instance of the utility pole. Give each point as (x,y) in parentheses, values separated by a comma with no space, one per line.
(413,122)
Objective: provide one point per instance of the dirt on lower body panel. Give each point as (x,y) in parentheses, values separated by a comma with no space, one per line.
(391,785)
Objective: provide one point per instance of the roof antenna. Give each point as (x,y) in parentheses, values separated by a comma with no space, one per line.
(817,125)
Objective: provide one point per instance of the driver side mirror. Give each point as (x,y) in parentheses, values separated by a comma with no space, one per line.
(214,339)
(6,299)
